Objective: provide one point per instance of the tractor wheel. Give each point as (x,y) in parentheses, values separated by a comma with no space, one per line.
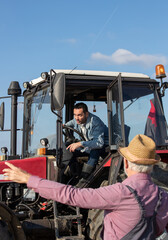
(95,224)
(10,227)
(160,175)
(95,221)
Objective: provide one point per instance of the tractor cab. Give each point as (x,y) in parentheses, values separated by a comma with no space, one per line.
(121,100)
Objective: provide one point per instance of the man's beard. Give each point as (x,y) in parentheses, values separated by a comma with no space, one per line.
(83,120)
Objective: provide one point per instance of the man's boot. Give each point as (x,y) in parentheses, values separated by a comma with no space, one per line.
(86,171)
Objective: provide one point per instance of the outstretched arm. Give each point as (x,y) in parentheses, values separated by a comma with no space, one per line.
(102,198)
(15,174)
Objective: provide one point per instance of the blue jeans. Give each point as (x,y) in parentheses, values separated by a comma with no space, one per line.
(93,155)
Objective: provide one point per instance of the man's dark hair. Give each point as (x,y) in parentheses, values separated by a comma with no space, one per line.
(81,105)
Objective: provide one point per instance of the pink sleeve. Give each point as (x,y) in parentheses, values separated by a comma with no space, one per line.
(102,198)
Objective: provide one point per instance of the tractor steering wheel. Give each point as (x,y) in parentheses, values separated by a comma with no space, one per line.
(69,137)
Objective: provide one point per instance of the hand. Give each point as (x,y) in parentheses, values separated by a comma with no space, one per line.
(15,174)
(72,147)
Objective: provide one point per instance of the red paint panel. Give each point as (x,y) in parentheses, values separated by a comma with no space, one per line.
(162,151)
(164,155)
(35,166)
(108,163)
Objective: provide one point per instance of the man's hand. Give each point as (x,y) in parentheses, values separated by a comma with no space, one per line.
(15,174)
(72,147)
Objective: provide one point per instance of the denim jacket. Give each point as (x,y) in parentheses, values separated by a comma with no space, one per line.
(96,132)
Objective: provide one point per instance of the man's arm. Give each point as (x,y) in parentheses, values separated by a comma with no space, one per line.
(73,146)
(102,198)
(71,123)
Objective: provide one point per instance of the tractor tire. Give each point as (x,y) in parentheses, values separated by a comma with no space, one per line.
(10,227)
(160,175)
(5,234)
(95,221)
(95,224)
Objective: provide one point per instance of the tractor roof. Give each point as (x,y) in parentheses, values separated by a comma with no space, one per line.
(94,73)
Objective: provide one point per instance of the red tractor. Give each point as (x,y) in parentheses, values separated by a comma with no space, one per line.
(128,103)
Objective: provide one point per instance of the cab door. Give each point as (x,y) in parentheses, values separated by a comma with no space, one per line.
(115,114)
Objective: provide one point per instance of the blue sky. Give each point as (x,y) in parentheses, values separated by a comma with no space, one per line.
(115,35)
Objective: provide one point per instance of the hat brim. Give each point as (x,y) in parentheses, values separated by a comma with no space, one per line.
(132,158)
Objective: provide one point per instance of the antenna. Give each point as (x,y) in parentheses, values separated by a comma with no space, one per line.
(73,69)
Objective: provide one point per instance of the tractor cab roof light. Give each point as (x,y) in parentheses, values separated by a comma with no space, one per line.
(160,71)
(44,75)
(27,85)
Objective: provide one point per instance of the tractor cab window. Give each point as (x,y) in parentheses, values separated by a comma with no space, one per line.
(40,121)
(144,114)
(135,114)
(135,108)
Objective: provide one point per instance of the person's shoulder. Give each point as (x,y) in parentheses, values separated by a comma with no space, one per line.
(96,120)
(118,191)
(94,117)
(71,122)
(119,186)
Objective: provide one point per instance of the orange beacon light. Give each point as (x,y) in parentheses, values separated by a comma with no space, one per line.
(160,71)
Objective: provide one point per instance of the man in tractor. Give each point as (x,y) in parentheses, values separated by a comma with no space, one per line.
(134,209)
(95,133)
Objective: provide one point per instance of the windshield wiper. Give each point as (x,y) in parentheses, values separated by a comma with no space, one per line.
(132,101)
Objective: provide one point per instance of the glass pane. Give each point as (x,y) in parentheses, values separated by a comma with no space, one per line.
(136,107)
(99,109)
(42,122)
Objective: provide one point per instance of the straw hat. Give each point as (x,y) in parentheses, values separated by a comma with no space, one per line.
(141,150)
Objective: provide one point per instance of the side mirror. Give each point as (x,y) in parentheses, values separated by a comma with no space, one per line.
(57,91)
(2,113)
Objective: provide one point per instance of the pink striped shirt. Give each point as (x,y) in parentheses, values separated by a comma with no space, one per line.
(121,210)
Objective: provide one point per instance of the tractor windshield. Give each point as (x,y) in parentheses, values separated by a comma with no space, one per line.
(39,120)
